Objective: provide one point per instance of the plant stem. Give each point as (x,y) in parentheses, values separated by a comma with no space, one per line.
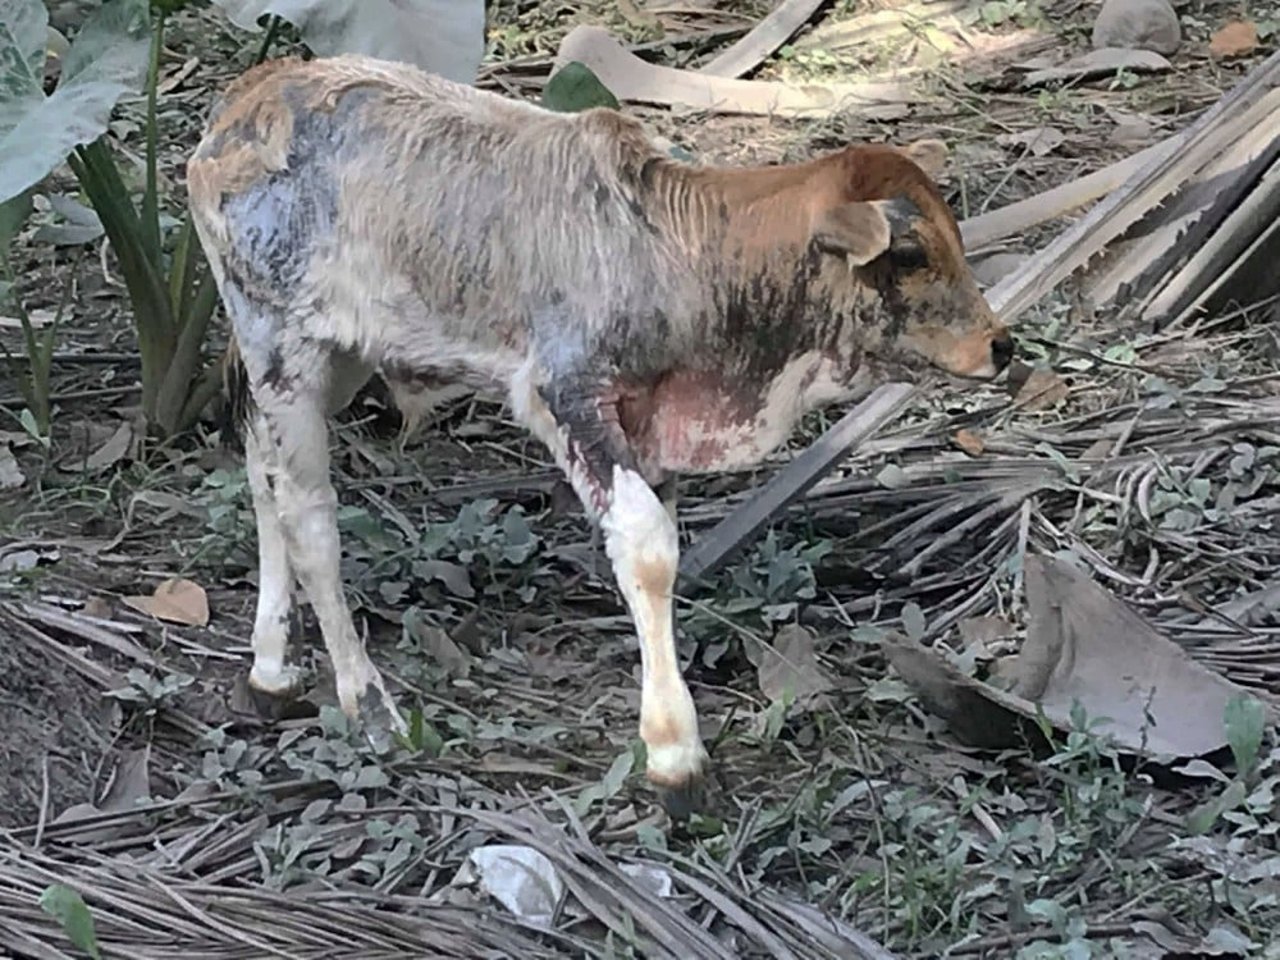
(151,198)
(272,29)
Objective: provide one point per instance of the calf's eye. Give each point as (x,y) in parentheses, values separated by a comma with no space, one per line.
(907,255)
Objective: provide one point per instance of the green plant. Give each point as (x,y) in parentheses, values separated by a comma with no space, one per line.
(171,291)
(34,382)
(68,908)
(170,288)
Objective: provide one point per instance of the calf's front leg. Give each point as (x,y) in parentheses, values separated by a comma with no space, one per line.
(582,432)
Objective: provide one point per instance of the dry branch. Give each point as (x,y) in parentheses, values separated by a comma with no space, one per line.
(1151,185)
(630,78)
(767,36)
(1139,265)
(1016,218)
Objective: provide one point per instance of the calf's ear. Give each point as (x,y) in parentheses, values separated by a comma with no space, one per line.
(863,230)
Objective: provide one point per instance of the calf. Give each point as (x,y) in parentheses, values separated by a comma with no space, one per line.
(641,316)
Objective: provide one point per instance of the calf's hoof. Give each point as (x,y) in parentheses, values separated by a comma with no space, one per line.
(375,713)
(676,772)
(684,800)
(273,692)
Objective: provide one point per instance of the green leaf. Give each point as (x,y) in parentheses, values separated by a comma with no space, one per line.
(913,620)
(107,60)
(608,786)
(13,213)
(1245,719)
(576,88)
(23,41)
(68,908)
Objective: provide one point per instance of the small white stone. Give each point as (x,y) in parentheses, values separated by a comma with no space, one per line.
(1137,25)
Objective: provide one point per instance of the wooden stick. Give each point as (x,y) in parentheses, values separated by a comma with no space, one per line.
(765,37)
(1217,256)
(718,544)
(1009,221)
(1157,245)
(1111,217)
(634,80)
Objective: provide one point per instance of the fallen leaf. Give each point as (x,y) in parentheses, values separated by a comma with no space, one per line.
(175,600)
(1040,141)
(1236,39)
(521,878)
(111,451)
(1100,63)
(131,782)
(1085,649)
(454,576)
(985,630)
(19,561)
(630,78)
(970,442)
(39,318)
(11,475)
(991,269)
(1042,390)
(439,647)
(791,663)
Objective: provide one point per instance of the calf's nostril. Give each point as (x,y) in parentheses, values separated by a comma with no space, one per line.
(1002,351)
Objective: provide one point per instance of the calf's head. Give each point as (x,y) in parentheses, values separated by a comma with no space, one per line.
(884,232)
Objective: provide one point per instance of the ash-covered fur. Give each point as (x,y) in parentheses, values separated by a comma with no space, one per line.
(642,317)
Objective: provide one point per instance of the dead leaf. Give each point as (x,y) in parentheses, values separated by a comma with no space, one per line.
(175,600)
(521,878)
(441,649)
(970,442)
(1236,39)
(990,270)
(11,474)
(1040,141)
(1042,390)
(1084,647)
(1100,63)
(792,664)
(19,561)
(131,782)
(38,318)
(985,630)
(454,576)
(111,451)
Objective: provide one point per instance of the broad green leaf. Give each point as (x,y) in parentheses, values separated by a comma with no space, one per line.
(24,35)
(442,36)
(13,213)
(107,60)
(68,908)
(575,88)
(1246,720)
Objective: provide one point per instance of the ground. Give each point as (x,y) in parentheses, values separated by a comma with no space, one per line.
(217,828)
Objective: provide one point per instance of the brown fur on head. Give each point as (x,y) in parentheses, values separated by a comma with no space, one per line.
(883,222)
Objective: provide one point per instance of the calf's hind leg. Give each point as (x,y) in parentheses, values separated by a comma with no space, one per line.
(291,391)
(270,674)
